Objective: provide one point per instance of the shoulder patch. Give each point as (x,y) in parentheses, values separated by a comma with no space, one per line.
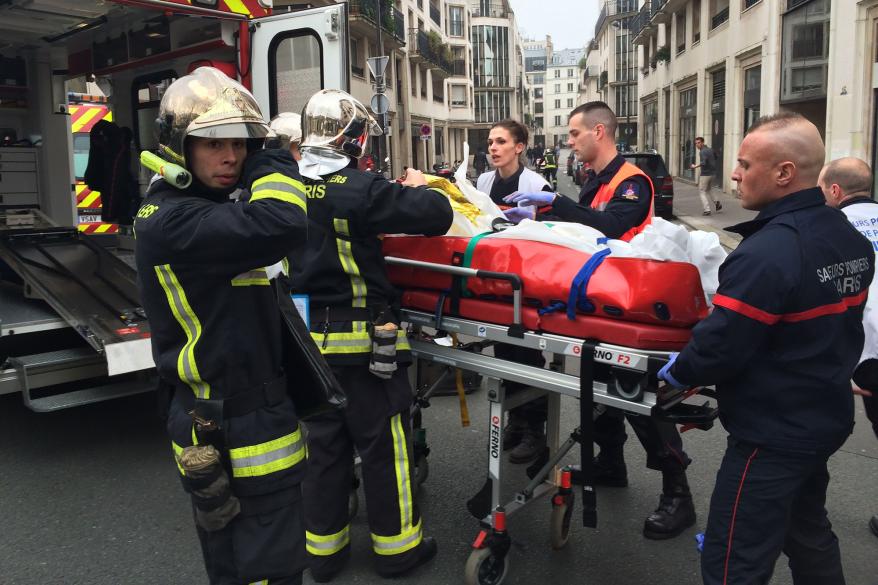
(630,191)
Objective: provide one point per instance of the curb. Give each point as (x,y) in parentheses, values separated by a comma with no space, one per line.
(727,239)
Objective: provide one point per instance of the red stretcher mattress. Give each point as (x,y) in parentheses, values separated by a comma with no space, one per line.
(628,334)
(666,295)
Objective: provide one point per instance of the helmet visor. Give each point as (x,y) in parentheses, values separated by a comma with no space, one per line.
(232,130)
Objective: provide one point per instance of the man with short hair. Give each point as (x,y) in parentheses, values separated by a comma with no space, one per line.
(705,179)
(616,199)
(847,185)
(780,345)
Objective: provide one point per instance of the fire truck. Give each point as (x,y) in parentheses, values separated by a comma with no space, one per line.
(72,331)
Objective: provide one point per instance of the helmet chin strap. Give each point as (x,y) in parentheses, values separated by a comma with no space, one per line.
(317,162)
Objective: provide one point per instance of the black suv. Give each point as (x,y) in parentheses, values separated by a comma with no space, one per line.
(653,165)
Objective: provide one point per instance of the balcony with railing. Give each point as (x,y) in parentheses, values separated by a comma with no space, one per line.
(614,8)
(659,11)
(429,49)
(719,18)
(641,26)
(363,19)
(490,11)
(435,14)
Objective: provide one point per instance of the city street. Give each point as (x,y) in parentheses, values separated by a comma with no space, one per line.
(91,496)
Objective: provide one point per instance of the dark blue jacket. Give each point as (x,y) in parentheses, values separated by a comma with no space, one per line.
(786,330)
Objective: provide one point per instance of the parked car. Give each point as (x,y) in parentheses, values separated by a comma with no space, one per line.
(579,170)
(654,165)
(571,162)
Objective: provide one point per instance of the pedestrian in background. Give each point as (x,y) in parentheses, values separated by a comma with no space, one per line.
(847,185)
(480,162)
(705,178)
(781,345)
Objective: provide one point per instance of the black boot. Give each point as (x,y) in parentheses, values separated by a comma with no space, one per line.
(675,512)
(513,433)
(609,471)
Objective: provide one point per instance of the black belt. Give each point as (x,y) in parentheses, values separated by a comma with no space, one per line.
(267,394)
(322,315)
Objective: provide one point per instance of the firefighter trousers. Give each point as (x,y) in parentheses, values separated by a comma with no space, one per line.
(660,440)
(377,423)
(263,545)
(766,502)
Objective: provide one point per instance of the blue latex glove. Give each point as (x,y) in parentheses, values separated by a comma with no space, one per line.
(539,199)
(665,372)
(516,214)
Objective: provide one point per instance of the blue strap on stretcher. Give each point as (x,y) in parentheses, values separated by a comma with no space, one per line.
(578,289)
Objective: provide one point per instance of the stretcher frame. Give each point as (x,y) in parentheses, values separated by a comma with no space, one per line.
(633,389)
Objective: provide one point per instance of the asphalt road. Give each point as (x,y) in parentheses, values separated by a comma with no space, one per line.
(90,496)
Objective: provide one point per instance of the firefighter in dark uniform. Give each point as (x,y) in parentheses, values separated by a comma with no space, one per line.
(781,345)
(617,199)
(549,167)
(354,318)
(216,335)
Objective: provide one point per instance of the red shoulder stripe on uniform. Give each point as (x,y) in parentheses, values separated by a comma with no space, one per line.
(745,309)
(830,309)
(771,318)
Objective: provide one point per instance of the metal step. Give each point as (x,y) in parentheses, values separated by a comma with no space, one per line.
(58,367)
(86,396)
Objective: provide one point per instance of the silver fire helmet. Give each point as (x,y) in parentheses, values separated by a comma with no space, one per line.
(335,120)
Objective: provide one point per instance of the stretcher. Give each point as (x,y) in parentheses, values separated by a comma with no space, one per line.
(617,361)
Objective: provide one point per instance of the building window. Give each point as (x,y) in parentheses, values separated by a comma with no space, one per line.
(557,88)
(687,132)
(413,78)
(626,56)
(455,21)
(491,106)
(650,126)
(681,32)
(557,120)
(569,87)
(748,3)
(538,93)
(557,104)
(696,21)
(557,73)
(424,83)
(570,73)
(490,56)
(539,79)
(805,52)
(719,12)
(752,89)
(356,58)
(458,95)
(570,102)
(538,108)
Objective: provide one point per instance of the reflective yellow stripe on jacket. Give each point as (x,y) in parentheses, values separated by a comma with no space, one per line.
(187,369)
(349,265)
(256,277)
(354,342)
(269,457)
(280,187)
(323,546)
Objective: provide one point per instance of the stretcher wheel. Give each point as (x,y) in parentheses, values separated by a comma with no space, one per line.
(484,568)
(559,525)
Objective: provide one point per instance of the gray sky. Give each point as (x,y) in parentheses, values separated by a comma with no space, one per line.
(570,22)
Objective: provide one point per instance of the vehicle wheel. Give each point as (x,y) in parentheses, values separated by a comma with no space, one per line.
(559,525)
(483,568)
(353,504)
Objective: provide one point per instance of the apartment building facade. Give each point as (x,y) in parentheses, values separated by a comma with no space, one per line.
(498,71)
(711,67)
(562,92)
(537,56)
(611,66)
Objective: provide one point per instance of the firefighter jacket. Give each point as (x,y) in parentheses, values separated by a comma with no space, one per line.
(214,318)
(341,266)
(615,213)
(786,330)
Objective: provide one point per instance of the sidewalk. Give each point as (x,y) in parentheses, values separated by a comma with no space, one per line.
(687,208)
